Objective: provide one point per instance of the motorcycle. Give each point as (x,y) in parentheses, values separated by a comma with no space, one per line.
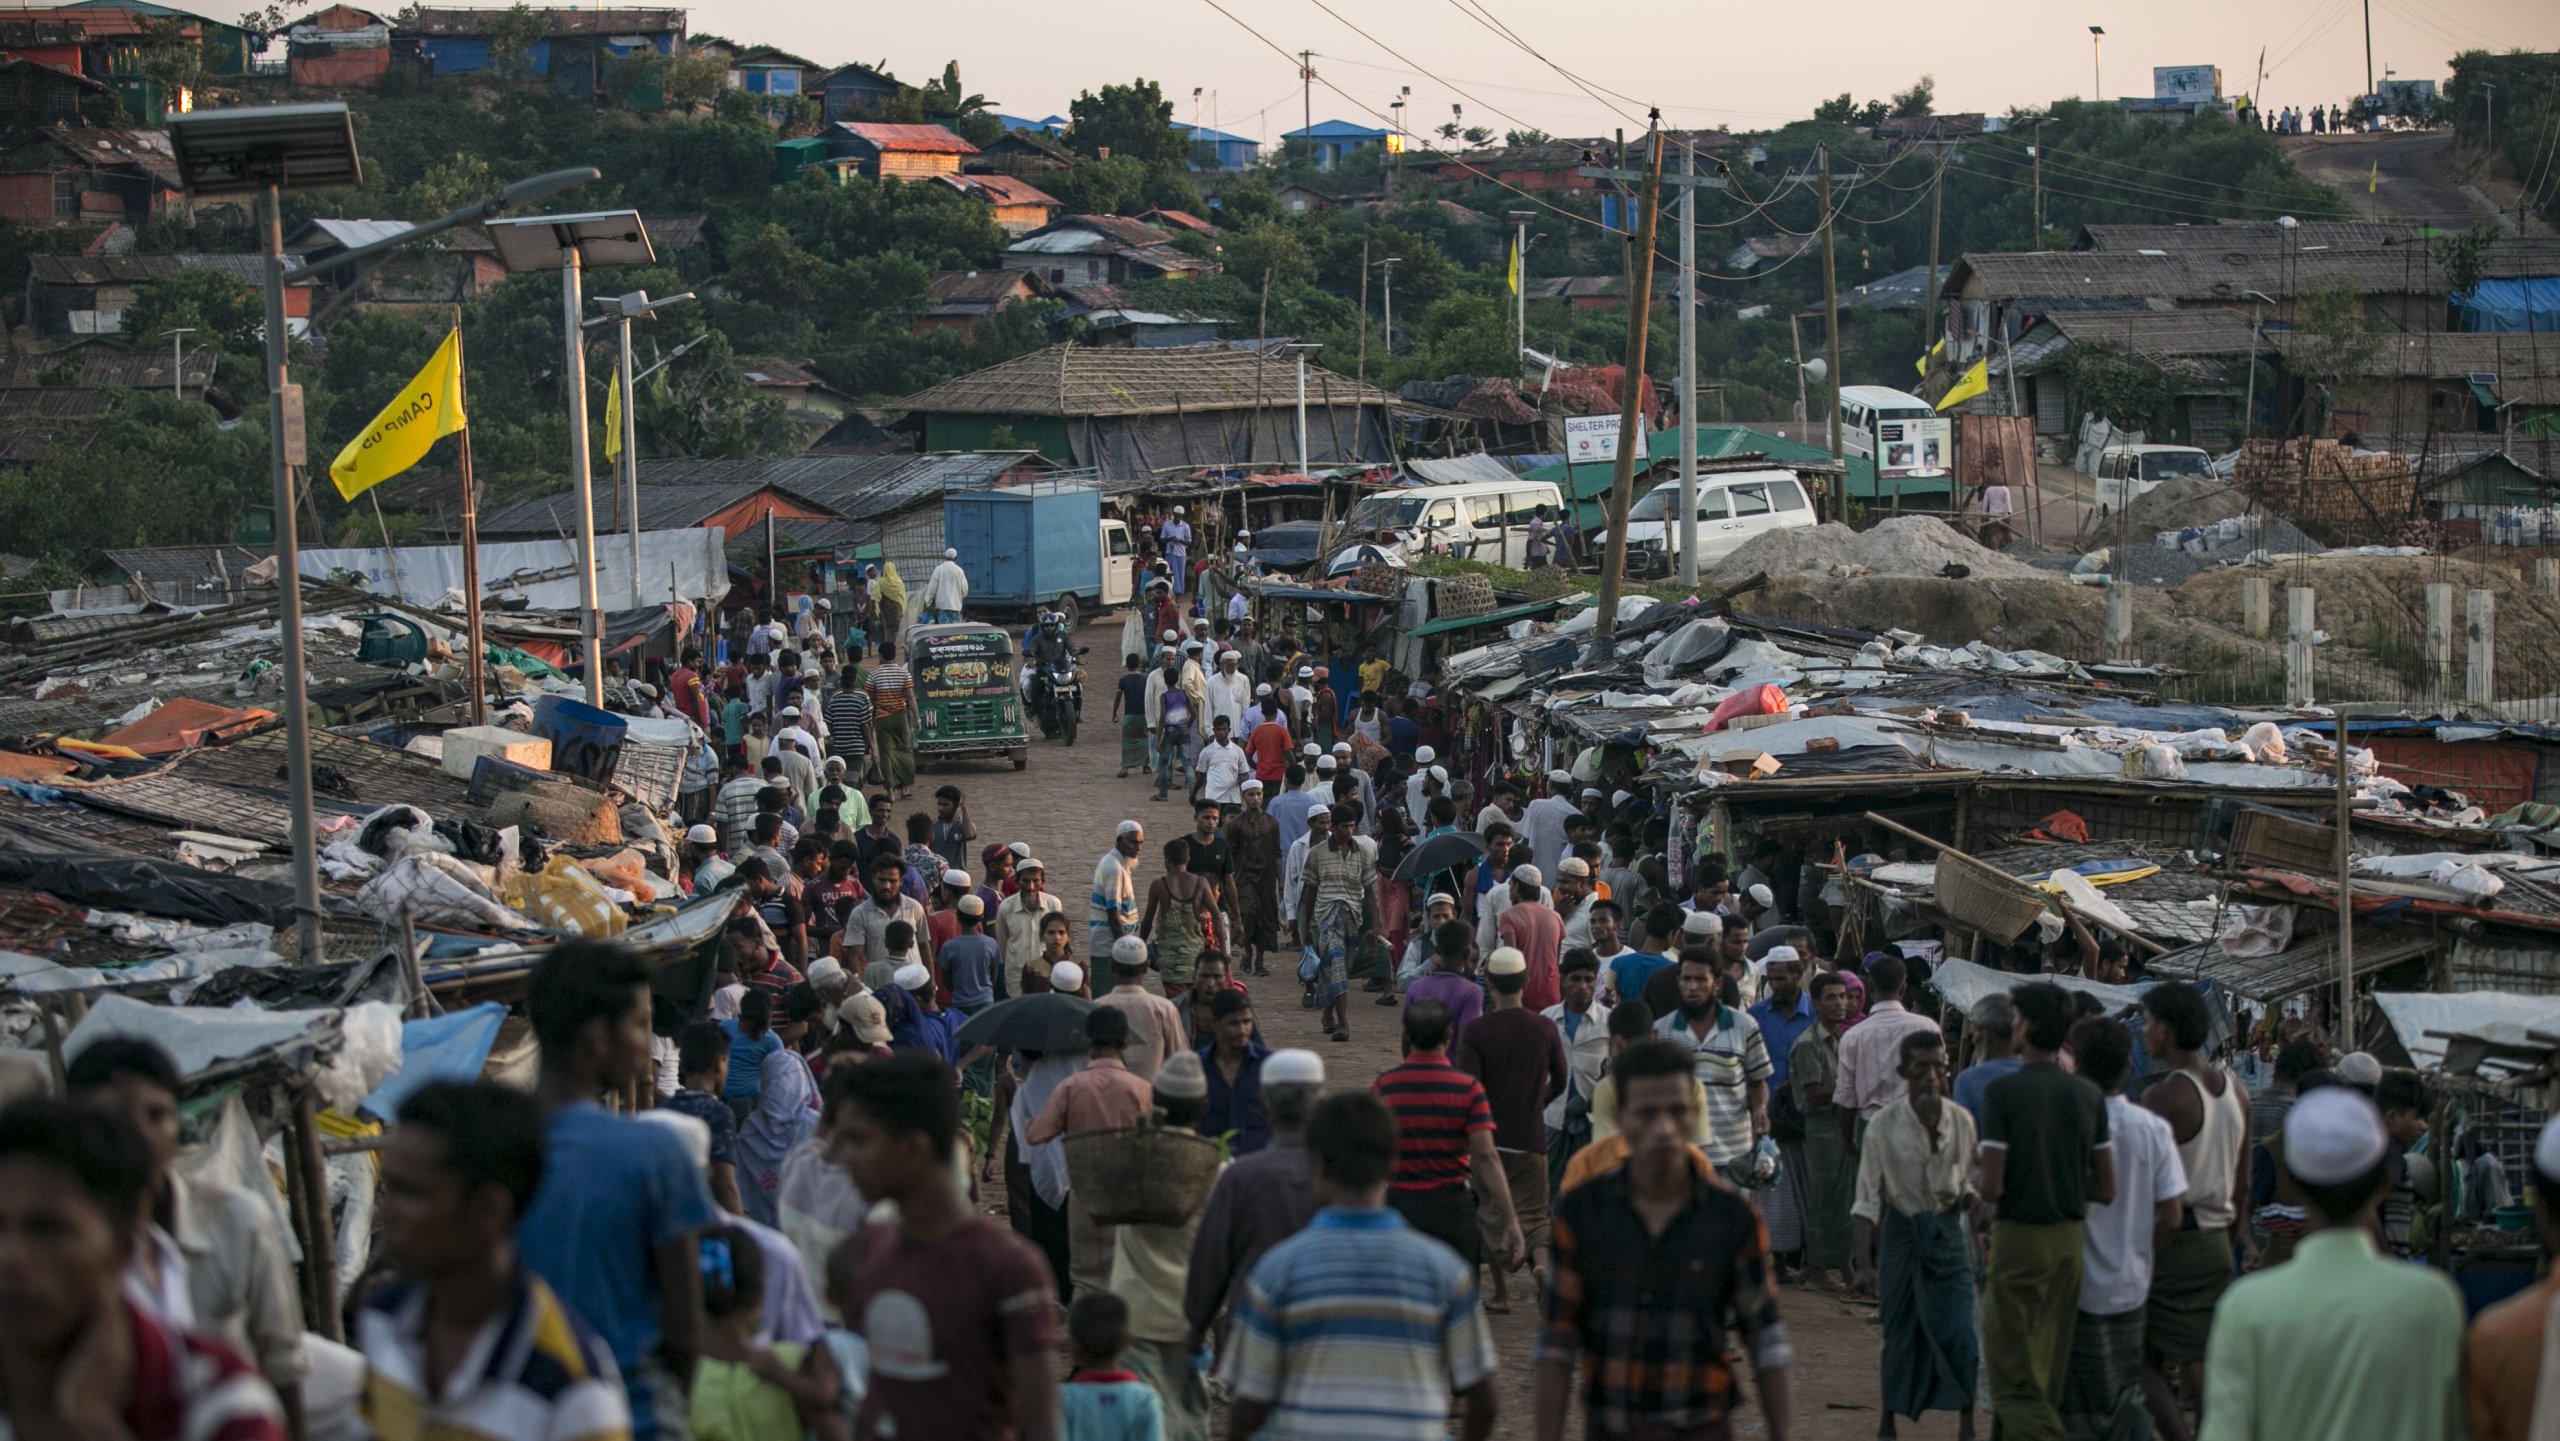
(1057,697)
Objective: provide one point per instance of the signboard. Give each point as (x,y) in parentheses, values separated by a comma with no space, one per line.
(1593,440)
(2186,84)
(2405,97)
(974,665)
(1914,447)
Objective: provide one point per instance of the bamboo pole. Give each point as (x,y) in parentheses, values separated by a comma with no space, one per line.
(1948,852)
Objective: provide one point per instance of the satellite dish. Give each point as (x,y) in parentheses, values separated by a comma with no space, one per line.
(1817,368)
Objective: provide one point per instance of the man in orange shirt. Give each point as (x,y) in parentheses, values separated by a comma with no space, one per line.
(1538,932)
(1268,745)
(1104,1096)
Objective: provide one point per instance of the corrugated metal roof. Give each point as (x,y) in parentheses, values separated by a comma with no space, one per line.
(556,22)
(929,139)
(1475,469)
(1080,380)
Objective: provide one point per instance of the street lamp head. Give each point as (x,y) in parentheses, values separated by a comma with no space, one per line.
(2286,222)
(2097,29)
(248,148)
(596,238)
(534,189)
(1522,217)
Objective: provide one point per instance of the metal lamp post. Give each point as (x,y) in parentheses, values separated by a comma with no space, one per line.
(619,312)
(2097,82)
(569,244)
(263,151)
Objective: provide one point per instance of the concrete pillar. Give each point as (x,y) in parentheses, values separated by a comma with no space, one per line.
(2120,621)
(2254,591)
(2299,611)
(2439,639)
(2480,681)
(2546,577)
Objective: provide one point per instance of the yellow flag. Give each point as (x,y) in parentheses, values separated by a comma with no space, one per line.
(1922,364)
(2373,178)
(1515,267)
(613,418)
(428,409)
(1968,385)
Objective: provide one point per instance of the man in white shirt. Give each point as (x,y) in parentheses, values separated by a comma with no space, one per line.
(1871,1051)
(794,730)
(1573,899)
(1542,824)
(1423,756)
(1219,774)
(760,684)
(1302,700)
(1583,1022)
(2103,1392)
(1368,787)
(1491,904)
(1230,691)
(1293,872)
(946,590)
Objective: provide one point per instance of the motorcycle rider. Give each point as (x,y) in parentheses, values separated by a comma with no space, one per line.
(1050,649)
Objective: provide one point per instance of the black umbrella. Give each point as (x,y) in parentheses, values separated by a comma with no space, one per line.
(1048,1021)
(1441,853)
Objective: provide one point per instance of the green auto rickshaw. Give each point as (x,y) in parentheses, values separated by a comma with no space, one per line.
(966,701)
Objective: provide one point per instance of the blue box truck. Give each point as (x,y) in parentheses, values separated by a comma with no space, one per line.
(1046,544)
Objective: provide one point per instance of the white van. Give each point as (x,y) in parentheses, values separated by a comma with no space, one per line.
(1733,506)
(1483,520)
(2126,471)
(1896,430)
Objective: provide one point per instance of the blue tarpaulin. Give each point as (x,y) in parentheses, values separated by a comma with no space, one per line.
(450,1047)
(2511,306)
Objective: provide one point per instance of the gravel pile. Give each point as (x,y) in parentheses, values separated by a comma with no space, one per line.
(1910,545)
(2159,565)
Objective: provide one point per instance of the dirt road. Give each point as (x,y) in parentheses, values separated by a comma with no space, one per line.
(1067,805)
(2415,175)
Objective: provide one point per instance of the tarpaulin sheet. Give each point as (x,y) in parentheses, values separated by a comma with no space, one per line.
(183,724)
(1962,983)
(2511,306)
(197,1039)
(688,561)
(2497,1017)
(450,1047)
(159,888)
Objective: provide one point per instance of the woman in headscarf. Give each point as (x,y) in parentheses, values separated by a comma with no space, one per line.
(1035,1177)
(889,601)
(786,1110)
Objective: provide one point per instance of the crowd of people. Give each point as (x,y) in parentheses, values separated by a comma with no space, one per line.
(1647,1108)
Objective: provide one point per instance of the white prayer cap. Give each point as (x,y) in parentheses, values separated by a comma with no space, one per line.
(1560,777)
(1506,961)
(957,880)
(912,977)
(1251,783)
(2332,1136)
(1315,811)
(1780,956)
(949,554)
(1441,898)
(971,904)
(1029,864)
(1342,748)
(1701,923)
(1311,749)
(1171,635)
(1621,798)
(1530,874)
(1182,1077)
(1760,896)
(1589,791)
(1021,849)
(2359,1068)
(1324,765)
(1230,655)
(1571,866)
(1424,755)
(1293,1068)
(1066,976)
(1263,689)
(702,836)
(1129,951)
(824,969)
(1440,774)
(1131,828)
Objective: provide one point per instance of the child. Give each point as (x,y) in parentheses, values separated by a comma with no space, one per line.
(746,1392)
(846,1348)
(758,744)
(1129,707)
(1100,1401)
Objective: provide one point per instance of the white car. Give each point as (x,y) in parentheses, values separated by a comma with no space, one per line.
(1733,506)
(2126,471)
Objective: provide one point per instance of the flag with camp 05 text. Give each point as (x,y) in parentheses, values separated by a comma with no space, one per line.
(1968,385)
(425,411)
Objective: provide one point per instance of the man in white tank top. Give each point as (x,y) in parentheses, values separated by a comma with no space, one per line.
(2208,1114)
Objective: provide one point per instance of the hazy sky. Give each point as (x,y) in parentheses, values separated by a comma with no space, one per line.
(1757,65)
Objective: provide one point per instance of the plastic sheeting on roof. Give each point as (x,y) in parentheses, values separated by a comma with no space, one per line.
(1476,469)
(2496,1017)
(1962,983)
(2510,306)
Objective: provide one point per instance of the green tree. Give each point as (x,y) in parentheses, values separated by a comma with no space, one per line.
(694,77)
(213,303)
(1132,121)
(1266,249)
(1917,101)
(1110,185)
(513,32)
(171,57)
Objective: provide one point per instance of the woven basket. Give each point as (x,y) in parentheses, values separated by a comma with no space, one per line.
(2000,908)
(1378,578)
(1143,1175)
(1468,594)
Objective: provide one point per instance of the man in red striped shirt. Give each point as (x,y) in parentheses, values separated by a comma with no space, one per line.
(1444,1135)
(81,1359)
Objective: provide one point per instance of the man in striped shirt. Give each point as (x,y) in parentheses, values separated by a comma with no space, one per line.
(1357,1328)
(81,1358)
(459,1169)
(893,708)
(1444,1134)
(849,736)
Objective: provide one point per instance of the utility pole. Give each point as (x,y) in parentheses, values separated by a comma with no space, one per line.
(1363,371)
(1622,491)
(1831,308)
(1307,97)
(178,359)
(1929,306)
(2368,90)
(2035,219)
(1520,292)
(1387,324)
(1689,183)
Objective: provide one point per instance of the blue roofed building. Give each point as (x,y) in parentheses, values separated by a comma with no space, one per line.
(1217,150)
(1335,140)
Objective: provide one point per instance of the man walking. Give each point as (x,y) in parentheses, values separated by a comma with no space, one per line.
(2208,1114)
(1358,1316)
(1784,1014)
(1170,711)
(1112,909)
(1913,1244)
(1155,1024)
(1104,1096)
(946,590)
(2046,1158)
(1517,1055)
(1582,1023)
(1254,838)
(1871,1051)
(1813,1069)
(1444,1136)
(2103,1393)
(1732,1063)
(2343,1343)
(1260,1201)
(1651,1258)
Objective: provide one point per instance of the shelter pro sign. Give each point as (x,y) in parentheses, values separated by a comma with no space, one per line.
(1593,440)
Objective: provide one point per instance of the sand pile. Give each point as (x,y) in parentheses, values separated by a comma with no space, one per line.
(1910,545)
(2173,505)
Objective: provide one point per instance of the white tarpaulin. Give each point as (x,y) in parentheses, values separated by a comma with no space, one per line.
(1962,983)
(688,563)
(2498,1017)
